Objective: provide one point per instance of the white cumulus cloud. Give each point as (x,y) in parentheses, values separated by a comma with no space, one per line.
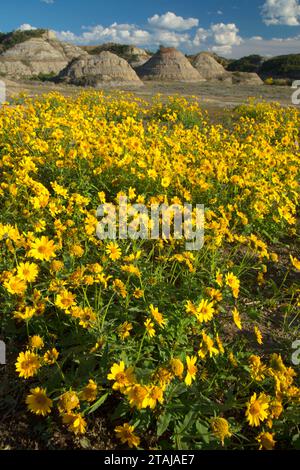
(200,37)
(219,37)
(171,38)
(184,34)
(226,34)
(284,12)
(120,33)
(173,22)
(26,27)
(267,47)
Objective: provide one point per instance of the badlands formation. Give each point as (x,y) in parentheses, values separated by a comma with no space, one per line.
(95,65)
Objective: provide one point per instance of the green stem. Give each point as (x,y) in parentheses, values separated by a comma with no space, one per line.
(140,348)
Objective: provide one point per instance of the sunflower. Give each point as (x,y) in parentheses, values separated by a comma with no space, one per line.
(86,317)
(25,314)
(215,294)
(177,367)
(56,265)
(257,409)
(15,285)
(28,363)
(42,249)
(190,308)
(120,288)
(137,396)
(232,359)
(257,368)
(89,393)
(158,317)
(124,330)
(65,300)
(220,428)
(258,334)
(155,394)
(77,251)
(219,278)
(122,377)
(205,311)
(165,182)
(275,409)
(163,376)
(75,422)
(295,262)
(114,251)
(68,402)
(207,346)
(191,369)
(149,328)
(266,441)
(233,282)
(28,272)
(36,342)
(126,435)
(237,318)
(50,356)
(38,402)
(138,293)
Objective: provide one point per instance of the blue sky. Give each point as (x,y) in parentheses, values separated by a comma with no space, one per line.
(231,28)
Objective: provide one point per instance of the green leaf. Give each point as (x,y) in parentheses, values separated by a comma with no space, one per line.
(85,443)
(163,423)
(296,441)
(187,423)
(98,403)
(120,411)
(203,432)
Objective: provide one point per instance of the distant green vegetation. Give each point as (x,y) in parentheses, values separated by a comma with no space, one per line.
(251,63)
(44,77)
(280,67)
(121,50)
(278,81)
(222,60)
(285,66)
(8,40)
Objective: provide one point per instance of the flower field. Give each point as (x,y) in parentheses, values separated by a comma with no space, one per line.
(190,349)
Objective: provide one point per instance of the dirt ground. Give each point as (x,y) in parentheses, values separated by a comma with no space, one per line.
(20,430)
(211,95)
